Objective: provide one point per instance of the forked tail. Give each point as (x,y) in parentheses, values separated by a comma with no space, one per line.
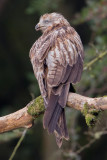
(54,118)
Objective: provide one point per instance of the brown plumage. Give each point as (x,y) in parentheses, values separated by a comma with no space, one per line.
(57,60)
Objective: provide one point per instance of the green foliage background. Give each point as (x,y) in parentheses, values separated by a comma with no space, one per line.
(18,85)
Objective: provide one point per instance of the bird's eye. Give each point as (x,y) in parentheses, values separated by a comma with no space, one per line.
(46,21)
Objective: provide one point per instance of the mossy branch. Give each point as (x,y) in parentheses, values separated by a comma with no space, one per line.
(24,118)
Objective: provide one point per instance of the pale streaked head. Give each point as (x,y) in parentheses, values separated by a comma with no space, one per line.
(47,21)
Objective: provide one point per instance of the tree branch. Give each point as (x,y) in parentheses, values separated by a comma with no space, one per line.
(24,118)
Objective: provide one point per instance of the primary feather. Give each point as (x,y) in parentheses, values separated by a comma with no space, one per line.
(57,59)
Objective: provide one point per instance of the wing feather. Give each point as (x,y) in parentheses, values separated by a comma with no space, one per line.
(38,53)
(62,56)
(67,62)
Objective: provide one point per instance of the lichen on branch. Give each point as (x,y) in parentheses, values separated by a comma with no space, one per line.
(36,107)
(91,114)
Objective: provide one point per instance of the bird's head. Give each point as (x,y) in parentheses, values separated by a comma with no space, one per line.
(48,21)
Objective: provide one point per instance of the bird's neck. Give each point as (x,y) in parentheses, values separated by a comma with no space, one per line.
(54,27)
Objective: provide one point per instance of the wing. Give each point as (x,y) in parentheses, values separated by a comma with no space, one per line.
(37,55)
(40,49)
(65,60)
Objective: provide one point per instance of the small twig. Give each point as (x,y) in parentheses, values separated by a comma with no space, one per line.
(88,65)
(85,146)
(18,144)
(95,136)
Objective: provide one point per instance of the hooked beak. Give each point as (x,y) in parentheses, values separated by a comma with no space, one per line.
(37,27)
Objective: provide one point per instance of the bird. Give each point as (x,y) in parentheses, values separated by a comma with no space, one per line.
(57,59)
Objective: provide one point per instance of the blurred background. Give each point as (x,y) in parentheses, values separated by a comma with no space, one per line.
(18,85)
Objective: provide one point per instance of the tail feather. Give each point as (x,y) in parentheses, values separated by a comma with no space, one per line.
(61,129)
(57,124)
(59,139)
(58,130)
(50,110)
(54,118)
(63,125)
(63,97)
